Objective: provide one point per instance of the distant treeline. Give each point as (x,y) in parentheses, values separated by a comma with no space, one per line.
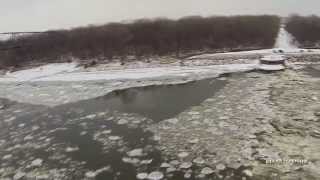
(143,38)
(306,30)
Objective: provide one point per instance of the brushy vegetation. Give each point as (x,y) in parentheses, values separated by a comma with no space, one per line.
(306,30)
(145,38)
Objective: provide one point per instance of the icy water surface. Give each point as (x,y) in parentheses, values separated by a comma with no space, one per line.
(313,70)
(101,138)
(155,102)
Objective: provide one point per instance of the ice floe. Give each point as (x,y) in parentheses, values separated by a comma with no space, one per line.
(36,163)
(155,175)
(135,153)
(207,171)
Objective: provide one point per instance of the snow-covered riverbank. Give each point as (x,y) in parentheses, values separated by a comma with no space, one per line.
(66,87)
(68,72)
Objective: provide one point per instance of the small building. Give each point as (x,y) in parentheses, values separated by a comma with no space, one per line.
(272,63)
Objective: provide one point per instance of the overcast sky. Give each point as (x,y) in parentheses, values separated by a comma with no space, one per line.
(34,15)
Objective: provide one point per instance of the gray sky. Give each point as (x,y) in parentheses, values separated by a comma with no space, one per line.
(32,15)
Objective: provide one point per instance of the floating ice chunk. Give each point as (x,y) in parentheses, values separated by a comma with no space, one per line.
(196,122)
(135,153)
(36,163)
(223,124)
(98,171)
(114,138)
(83,133)
(130,160)
(199,160)
(174,162)
(156,138)
(106,132)
(220,167)
(208,110)
(10,119)
(28,137)
(90,174)
(195,116)
(122,122)
(315,98)
(171,169)
(206,171)
(224,118)
(42,176)
(183,154)
(271,67)
(248,172)
(155,175)
(185,165)
(193,113)
(91,116)
(102,114)
(6,157)
(165,165)
(172,121)
(148,161)
(93,174)
(187,175)
(142,176)
(110,118)
(34,128)
(194,141)
(72,149)
(19,175)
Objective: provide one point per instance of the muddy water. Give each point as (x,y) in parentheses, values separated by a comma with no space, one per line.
(81,138)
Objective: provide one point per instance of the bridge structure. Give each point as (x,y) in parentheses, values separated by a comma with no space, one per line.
(11,36)
(14,34)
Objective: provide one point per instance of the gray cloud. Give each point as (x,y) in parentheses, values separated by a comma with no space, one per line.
(20,15)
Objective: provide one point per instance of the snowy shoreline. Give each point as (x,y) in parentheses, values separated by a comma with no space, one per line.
(69,73)
(59,89)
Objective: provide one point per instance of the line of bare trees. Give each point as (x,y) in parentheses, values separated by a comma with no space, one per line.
(306,30)
(146,37)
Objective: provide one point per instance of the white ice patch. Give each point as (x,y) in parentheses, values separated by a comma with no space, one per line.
(42,71)
(156,175)
(64,73)
(142,176)
(135,153)
(273,58)
(276,67)
(36,163)
(207,171)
